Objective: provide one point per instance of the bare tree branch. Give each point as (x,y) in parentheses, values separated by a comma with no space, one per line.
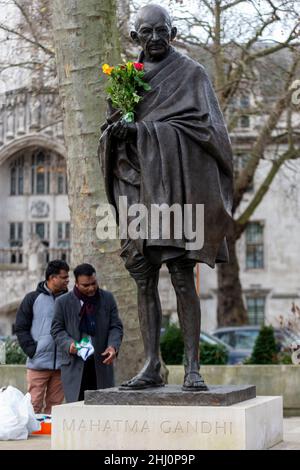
(25,38)
(264,137)
(244,218)
(232,4)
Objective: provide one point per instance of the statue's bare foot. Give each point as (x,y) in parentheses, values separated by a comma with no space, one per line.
(193,382)
(142,381)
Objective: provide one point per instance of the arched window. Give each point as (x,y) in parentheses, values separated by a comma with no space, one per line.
(40,173)
(48,173)
(17,176)
(61,176)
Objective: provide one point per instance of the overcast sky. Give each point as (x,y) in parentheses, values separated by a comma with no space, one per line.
(245,12)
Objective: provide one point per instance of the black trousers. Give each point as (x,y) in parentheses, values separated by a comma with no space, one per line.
(89,379)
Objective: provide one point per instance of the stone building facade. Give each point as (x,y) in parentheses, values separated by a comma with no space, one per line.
(34,213)
(35,219)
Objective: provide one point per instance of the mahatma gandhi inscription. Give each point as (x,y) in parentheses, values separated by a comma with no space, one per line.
(252,424)
(165,426)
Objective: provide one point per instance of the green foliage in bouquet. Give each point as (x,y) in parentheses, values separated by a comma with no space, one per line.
(124,87)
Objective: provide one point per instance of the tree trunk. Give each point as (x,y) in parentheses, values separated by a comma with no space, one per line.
(86,36)
(231,308)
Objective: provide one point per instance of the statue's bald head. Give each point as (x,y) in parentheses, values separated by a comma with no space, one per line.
(153,31)
(152,11)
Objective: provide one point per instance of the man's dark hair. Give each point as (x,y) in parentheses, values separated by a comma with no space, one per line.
(84,269)
(55,266)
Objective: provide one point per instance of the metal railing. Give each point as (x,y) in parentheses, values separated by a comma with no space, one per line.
(15,256)
(57,253)
(11,256)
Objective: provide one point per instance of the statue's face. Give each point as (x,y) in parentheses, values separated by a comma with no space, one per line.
(154,34)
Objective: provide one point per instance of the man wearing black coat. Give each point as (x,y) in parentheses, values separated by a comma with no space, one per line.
(86,311)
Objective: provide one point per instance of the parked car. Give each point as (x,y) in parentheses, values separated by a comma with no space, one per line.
(242,338)
(234,356)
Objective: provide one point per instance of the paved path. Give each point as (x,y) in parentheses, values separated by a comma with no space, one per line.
(291,436)
(34,442)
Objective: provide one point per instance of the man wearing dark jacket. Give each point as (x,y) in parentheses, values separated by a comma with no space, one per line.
(33,323)
(86,312)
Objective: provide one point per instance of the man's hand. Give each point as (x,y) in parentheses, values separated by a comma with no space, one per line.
(73,349)
(110,352)
(124,130)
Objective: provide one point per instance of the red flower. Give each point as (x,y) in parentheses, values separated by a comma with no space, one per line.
(138,65)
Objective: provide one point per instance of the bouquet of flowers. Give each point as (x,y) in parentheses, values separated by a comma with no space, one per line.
(125,83)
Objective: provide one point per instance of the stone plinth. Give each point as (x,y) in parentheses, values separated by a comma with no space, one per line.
(251,424)
(171,395)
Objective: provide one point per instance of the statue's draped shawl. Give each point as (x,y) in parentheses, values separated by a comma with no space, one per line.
(183,153)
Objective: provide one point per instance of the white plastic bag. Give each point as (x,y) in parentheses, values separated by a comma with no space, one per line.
(17,418)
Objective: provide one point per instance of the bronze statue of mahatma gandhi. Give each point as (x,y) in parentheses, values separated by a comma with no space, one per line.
(176,152)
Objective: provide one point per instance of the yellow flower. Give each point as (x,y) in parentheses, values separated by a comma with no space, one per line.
(107,69)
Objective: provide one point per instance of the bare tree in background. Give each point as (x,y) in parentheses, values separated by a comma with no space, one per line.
(86,36)
(29,39)
(253,78)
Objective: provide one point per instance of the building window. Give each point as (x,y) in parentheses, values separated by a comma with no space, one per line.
(240,160)
(13,181)
(256,310)
(42,229)
(241,106)
(245,102)
(40,173)
(16,242)
(16,234)
(244,122)
(63,234)
(17,177)
(48,173)
(61,184)
(62,187)
(254,246)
